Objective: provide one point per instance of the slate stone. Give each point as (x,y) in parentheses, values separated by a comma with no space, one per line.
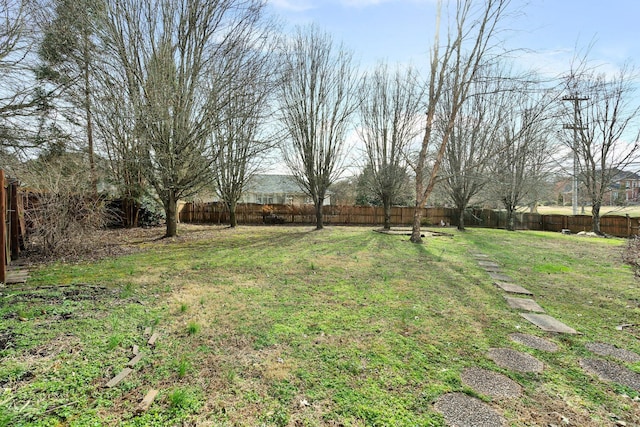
(621,354)
(500,277)
(525,304)
(461,410)
(611,371)
(548,323)
(488,264)
(490,383)
(515,360)
(534,342)
(512,288)
(480,256)
(490,269)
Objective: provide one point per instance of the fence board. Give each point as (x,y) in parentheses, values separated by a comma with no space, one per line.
(250,213)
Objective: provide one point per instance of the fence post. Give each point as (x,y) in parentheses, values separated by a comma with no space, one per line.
(3,229)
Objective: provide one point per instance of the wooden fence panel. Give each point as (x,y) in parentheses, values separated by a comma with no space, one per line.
(251,213)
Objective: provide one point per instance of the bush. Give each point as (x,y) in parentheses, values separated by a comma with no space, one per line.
(631,254)
(60,210)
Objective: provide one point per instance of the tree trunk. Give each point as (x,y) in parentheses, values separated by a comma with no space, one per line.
(595,219)
(233,222)
(319,222)
(171,209)
(386,202)
(87,108)
(416,234)
(511,220)
(461,218)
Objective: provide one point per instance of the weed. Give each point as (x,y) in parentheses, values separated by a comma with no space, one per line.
(114,341)
(183,307)
(127,290)
(193,328)
(183,367)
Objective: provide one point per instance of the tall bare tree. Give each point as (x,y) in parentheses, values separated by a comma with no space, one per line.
(169,50)
(390,118)
(608,137)
(21,97)
(524,154)
(68,50)
(452,69)
(472,145)
(118,142)
(241,137)
(318,96)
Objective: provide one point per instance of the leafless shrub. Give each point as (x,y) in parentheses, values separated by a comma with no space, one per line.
(61,212)
(631,254)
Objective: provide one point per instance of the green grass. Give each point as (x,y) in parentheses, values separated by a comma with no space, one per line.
(367,328)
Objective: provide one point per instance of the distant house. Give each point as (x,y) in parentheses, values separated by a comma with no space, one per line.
(624,188)
(277,189)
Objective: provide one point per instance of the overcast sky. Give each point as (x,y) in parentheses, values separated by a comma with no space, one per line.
(550,30)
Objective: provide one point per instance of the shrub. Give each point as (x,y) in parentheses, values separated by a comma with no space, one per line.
(631,254)
(61,211)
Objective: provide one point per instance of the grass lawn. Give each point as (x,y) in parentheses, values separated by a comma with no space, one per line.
(285,326)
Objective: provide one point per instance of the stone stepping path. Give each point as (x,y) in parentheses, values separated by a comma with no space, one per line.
(489,266)
(515,360)
(461,410)
(512,288)
(621,354)
(524,304)
(548,323)
(534,342)
(611,371)
(489,383)
(500,277)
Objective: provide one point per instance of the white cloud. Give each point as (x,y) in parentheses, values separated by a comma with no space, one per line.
(292,5)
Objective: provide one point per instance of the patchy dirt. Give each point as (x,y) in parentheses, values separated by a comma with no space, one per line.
(123,241)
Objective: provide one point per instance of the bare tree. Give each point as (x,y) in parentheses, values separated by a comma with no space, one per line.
(472,145)
(21,97)
(68,49)
(523,158)
(453,68)
(169,50)
(115,124)
(607,130)
(318,96)
(390,119)
(240,136)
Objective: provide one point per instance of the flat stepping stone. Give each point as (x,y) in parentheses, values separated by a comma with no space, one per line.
(490,383)
(489,264)
(525,304)
(500,277)
(513,288)
(621,354)
(461,410)
(534,342)
(548,323)
(612,372)
(480,256)
(515,360)
(490,269)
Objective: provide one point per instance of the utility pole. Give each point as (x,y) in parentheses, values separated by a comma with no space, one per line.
(574,188)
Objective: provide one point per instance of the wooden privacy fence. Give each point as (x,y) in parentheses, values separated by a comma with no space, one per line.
(12,220)
(250,213)
(615,225)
